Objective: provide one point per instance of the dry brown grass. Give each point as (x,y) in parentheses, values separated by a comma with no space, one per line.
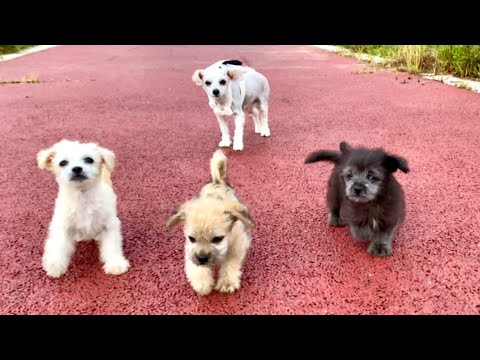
(27,79)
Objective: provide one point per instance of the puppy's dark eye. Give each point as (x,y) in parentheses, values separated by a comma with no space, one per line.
(192,239)
(88,160)
(373,178)
(217,239)
(348,176)
(208,83)
(222,82)
(63,163)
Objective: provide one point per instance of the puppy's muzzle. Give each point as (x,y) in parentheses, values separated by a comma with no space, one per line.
(215,92)
(202,259)
(358,189)
(357,193)
(78,175)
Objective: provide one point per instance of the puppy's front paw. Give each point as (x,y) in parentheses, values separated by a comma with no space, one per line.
(225,143)
(228,285)
(116,266)
(54,268)
(334,220)
(202,287)
(379,250)
(237,145)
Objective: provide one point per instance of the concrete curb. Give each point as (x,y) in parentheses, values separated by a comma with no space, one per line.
(26,52)
(472,85)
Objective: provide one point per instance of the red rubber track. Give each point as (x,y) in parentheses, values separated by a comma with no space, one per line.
(140,102)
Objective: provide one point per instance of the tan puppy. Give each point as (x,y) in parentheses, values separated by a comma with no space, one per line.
(85,207)
(216,228)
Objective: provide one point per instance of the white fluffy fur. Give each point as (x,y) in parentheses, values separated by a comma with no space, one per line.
(85,209)
(240,89)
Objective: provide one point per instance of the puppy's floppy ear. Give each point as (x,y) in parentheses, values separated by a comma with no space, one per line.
(345,148)
(44,159)
(235,74)
(237,211)
(108,158)
(393,162)
(177,217)
(197,77)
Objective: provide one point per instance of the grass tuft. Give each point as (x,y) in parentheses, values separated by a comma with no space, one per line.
(462,61)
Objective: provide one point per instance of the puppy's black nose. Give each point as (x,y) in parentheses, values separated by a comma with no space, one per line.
(357,188)
(77,170)
(216,92)
(202,259)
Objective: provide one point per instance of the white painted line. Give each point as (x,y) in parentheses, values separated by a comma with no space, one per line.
(474,85)
(26,52)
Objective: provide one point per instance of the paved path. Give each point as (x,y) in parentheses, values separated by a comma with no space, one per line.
(140,102)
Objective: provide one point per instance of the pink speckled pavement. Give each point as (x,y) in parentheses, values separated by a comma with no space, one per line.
(140,102)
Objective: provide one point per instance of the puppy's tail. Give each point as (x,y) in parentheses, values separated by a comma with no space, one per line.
(218,167)
(323,155)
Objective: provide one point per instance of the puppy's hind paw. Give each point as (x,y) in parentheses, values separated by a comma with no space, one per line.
(225,143)
(265,132)
(116,266)
(379,250)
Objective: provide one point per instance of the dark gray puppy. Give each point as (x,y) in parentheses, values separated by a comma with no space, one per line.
(364,195)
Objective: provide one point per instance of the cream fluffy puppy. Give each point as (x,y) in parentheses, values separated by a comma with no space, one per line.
(216,228)
(85,207)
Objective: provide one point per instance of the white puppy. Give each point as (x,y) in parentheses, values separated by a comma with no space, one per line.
(85,207)
(234,89)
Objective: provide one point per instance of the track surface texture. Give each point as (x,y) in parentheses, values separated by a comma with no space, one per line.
(140,102)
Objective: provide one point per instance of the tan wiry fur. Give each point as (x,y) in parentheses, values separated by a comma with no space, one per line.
(216,212)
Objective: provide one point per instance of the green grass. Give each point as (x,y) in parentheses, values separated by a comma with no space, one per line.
(11,49)
(458,60)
